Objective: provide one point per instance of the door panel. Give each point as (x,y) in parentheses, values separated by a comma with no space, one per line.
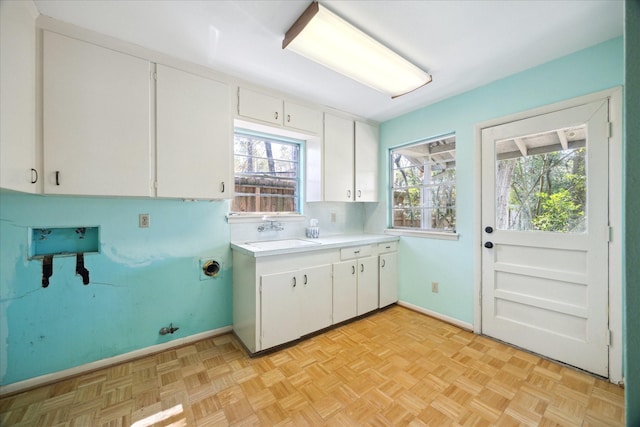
(345,291)
(545,231)
(279,309)
(316,298)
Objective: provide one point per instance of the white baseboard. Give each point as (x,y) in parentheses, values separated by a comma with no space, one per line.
(100,364)
(453,321)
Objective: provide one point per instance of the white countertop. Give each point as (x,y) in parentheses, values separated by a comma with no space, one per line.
(297,245)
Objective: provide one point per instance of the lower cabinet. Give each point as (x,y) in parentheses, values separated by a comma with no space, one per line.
(294,303)
(388,272)
(280,298)
(355,283)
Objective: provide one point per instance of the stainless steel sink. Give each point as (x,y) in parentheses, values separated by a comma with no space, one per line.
(280,244)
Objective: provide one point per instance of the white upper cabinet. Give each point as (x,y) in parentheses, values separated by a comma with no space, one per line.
(366,162)
(338,159)
(350,160)
(301,117)
(96,119)
(194,158)
(259,106)
(276,111)
(18,166)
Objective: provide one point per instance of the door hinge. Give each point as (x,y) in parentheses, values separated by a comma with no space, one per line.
(610,234)
(609,129)
(260,290)
(609,338)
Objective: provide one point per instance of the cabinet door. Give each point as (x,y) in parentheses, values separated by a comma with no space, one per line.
(345,291)
(388,278)
(279,309)
(303,118)
(367,284)
(338,159)
(18,170)
(259,106)
(366,162)
(96,120)
(193,136)
(315,300)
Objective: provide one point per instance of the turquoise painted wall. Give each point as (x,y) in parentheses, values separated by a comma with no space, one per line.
(450,263)
(141,280)
(632,200)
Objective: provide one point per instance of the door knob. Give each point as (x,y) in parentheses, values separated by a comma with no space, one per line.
(488,229)
(488,245)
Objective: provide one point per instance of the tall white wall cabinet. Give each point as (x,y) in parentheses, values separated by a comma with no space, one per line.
(19,166)
(96,121)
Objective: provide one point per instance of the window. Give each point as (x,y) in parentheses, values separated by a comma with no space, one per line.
(267,174)
(423,185)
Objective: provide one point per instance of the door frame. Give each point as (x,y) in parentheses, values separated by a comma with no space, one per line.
(615,214)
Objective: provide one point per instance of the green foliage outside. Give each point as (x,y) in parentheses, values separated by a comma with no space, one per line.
(546,192)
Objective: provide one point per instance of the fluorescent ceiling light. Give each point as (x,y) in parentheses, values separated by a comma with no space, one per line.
(324,37)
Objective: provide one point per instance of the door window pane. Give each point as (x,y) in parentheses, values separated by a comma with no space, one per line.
(541,182)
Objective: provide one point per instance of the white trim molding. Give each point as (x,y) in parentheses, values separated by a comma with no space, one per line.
(451,320)
(110,361)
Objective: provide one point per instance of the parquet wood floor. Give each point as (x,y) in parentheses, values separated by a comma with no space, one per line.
(393,368)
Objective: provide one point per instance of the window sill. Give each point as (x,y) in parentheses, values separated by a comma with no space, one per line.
(422,233)
(257,217)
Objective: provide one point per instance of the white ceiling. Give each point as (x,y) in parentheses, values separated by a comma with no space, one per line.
(463,44)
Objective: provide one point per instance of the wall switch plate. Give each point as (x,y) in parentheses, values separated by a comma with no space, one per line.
(143,220)
(434,287)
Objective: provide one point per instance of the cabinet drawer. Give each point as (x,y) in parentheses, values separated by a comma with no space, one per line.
(387,247)
(356,252)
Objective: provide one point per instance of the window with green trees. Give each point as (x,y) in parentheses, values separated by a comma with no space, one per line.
(423,185)
(541,182)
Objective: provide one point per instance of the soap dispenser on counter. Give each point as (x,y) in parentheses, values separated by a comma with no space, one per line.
(313,231)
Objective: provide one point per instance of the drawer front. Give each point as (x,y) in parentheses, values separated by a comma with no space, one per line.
(356,252)
(383,248)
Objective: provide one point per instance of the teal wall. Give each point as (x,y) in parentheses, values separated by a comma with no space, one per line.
(450,263)
(141,280)
(632,208)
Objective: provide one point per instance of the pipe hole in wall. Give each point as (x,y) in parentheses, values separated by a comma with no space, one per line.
(211,268)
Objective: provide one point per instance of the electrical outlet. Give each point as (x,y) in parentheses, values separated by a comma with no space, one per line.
(143,220)
(434,287)
(333,217)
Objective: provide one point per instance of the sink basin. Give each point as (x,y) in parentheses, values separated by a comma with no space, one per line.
(280,244)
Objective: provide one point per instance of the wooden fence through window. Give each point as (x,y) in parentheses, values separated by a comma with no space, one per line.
(261,194)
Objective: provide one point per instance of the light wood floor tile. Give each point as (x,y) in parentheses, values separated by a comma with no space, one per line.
(393,368)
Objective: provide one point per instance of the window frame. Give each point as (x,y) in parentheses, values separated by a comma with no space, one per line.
(413,231)
(299,191)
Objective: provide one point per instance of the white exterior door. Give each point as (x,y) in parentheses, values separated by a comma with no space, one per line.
(545,235)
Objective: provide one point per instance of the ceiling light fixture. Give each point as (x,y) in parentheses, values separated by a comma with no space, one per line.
(324,37)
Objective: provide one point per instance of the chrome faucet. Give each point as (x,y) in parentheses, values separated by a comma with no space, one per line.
(269,225)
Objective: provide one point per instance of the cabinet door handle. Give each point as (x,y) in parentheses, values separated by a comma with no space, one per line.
(294,281)
(57,177)
(288,118)
(359,193)
(383,264)
(276,115)
(34,176)
(353,269)
(305,279)
(222,187)
(348,194)
(361,268)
